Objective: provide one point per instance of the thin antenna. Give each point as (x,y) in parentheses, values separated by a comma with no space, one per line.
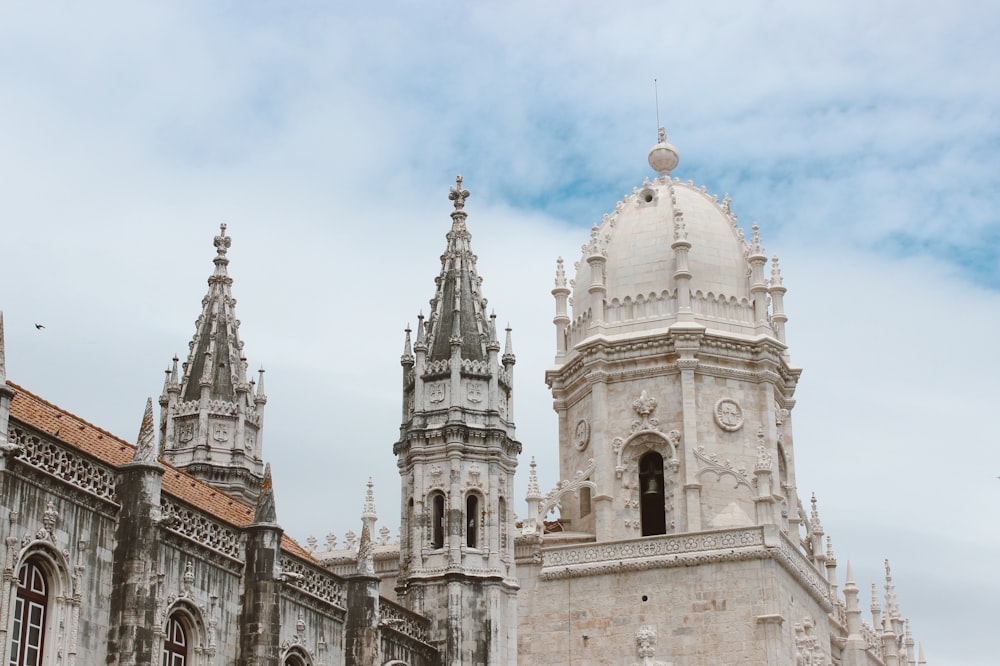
(656,94)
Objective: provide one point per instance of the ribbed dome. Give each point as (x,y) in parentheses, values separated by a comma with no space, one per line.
(640,263)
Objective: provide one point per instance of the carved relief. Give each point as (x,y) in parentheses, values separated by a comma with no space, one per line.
(437,476)
(808,648)
(728,414)
(644,406)
(185,432)
(645,646)
(435,393)
(474,392)
(672,440)
(720,468)
(473,480)
(220,432)
(581,436)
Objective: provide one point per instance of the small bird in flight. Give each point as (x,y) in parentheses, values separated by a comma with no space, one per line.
(39,326)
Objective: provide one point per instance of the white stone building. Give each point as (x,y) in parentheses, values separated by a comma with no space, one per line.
(677,536)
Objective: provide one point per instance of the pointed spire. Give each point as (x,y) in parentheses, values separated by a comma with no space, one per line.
(508,349)
(921,660)
(457,316)
(407,356)
(366,552)
(261,396)
(421,343)
(144,448)
(265,511)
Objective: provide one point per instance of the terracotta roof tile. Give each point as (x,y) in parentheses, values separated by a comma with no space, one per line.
(70,429)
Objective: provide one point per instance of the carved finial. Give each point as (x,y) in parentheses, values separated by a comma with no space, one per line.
(775,272)
(144,447)
(680,228)
(727,203)
(876,607)
(222,241)
(755,245)
(508,349)
(829,548)
(560,273)
(407,357)
(533,490)
(331,541)
(369,508)
(458,195)
(764,461)
(817,527)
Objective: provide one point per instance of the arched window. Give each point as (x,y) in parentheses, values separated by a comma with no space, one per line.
(175,643)
(472,521)
(295,659)
(437,520)
(651,506)
(30,613)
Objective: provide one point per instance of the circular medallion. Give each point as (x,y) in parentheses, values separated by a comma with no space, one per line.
(728,414)
(581,436)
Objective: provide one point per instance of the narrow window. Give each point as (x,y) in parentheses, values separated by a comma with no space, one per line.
(472,521)
(437,521)
(651,506)
(30,611)
(584,501)
(175,643)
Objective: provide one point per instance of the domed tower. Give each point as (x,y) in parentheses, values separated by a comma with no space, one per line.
(456,455)
(672,378)
(211,417)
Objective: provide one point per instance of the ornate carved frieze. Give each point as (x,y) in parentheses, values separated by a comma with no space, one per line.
(650,553)
(64,464)
(321,585)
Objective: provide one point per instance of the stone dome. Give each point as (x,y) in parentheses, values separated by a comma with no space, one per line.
(634,244)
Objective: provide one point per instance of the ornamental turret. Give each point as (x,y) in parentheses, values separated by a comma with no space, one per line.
(211,418)
(456,455)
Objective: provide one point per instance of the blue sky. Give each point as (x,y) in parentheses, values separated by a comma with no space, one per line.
(861,136)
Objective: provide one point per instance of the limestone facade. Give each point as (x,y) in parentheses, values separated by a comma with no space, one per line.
(676,537)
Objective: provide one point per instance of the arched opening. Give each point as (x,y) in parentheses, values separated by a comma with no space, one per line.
(296,657)
(472,521)
(651,503)
(31,609)
(175,642)
(437,520)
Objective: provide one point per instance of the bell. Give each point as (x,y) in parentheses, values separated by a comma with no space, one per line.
(653,488)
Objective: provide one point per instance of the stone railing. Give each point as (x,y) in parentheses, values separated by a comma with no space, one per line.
(198,527)
(401,620)
(77,470)
(317,583)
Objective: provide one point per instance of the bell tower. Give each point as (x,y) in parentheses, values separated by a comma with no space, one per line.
(457,454)
(211,417)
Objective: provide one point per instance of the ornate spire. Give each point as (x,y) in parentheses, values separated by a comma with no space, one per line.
(508,349)
(144,448)
(458,307)
(265,511)
(817,527)
(211,422)
(407,356)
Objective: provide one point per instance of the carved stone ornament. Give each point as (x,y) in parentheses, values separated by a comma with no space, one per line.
(185,432)
(220,432)
(581,436)
(728,415)
(435,393)
(645,645)
(474,391)
(644,406)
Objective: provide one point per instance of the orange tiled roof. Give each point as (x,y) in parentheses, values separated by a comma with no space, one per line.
(101,444)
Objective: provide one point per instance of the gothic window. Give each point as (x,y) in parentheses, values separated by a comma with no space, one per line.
(437,520)
(584,501)
(472,521)
(295,659)
(651,502)
(30,610)
(175,643)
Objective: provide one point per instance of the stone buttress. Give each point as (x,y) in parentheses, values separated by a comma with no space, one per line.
(211,417)
(457,454)
(260,616)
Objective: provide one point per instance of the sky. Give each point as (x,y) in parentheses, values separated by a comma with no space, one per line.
(862,137)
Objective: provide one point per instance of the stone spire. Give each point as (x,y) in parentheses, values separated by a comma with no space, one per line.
(145,443)
(211,421)
(457,455)
(265,511)
(458,308)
